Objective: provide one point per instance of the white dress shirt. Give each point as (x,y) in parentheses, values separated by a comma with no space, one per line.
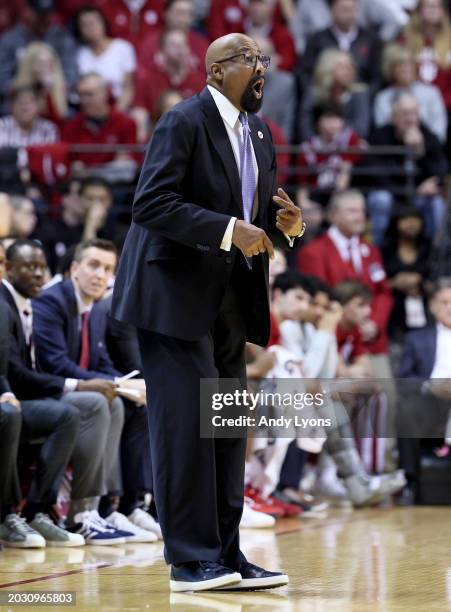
(229,114)
(345,39)
(442,363)
(349,248)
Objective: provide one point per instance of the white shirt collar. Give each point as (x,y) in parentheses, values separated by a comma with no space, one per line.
(443,329)
(81,306)
(227,110)
(22,302)
(339,239)
(345,37)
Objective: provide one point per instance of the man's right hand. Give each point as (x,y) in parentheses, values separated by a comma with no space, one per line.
(9,398)
(251,240)
(99,385)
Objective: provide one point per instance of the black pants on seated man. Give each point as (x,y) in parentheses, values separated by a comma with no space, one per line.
(58,423)
(10,426)
(422,418)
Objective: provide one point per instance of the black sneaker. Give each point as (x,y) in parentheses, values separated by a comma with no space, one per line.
(201,576)
(254,577)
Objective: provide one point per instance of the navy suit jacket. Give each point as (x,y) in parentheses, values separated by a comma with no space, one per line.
(27,383)
(5,335)
(418,355)
(172,274)
(58,336)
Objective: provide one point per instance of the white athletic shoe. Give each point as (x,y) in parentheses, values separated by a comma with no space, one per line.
(252,519)
(121,522)
(145,521)
(16,533)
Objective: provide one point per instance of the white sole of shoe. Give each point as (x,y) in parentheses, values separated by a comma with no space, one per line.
(251,584)
(63,544)
(105,542)
(178,586)
(7,544)
(139,539)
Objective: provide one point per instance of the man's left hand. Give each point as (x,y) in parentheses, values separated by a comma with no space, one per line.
(289,218)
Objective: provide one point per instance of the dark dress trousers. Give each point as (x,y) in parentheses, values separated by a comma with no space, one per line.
(195,305)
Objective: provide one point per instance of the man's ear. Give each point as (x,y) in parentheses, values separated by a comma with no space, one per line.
(216,71)
(73,268)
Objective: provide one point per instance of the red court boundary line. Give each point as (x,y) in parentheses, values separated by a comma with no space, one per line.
(55,575)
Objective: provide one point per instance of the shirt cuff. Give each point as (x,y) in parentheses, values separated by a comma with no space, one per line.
(226,243)
(8,395)
(70,384)
(290,239)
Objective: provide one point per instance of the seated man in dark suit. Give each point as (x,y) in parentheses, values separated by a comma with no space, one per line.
(423,413)
(70,341)
(86,415)
(346,34)
(57,422)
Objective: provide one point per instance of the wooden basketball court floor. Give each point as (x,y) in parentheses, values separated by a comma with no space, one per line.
(384,559)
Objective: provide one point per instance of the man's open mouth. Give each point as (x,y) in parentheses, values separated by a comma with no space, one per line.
(257,88)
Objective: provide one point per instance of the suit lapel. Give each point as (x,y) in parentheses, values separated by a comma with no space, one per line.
(258,144)
(220,140)
(17,320)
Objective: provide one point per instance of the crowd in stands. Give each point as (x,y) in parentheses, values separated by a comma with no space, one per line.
(358,100)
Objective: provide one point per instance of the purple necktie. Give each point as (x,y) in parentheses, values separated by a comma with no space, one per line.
(248,178)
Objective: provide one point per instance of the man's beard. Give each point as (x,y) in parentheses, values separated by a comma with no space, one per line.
(248,101)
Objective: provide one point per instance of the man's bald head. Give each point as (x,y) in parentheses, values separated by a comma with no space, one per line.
(226,46)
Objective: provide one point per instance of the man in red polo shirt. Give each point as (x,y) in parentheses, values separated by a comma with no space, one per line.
(340,254)
(172,67)
(178,15)
(98,123)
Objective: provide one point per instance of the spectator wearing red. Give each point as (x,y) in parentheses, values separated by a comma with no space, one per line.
(173,67)
(178,15)
(10,14)
(355,299)
(263,18)
(98,123)
(225,17)
(341,253)
(132,20)
(323,167)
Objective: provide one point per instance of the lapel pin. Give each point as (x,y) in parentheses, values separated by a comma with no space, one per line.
(260,135)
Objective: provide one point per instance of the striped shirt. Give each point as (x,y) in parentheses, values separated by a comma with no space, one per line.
(42,132)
